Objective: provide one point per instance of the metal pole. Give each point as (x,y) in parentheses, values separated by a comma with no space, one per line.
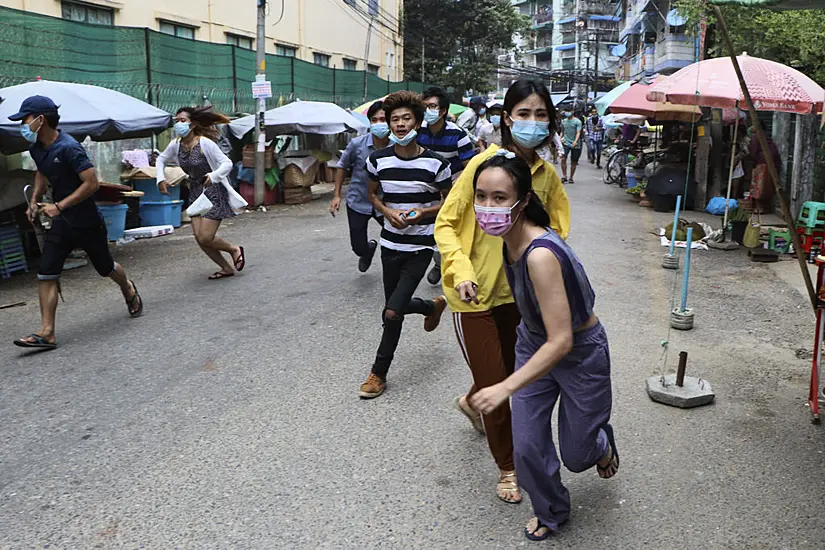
(234,81)
(260,123)
(596,69)
(760,134)
(148,66)
(680,370)
(675,224)
(333,83)
(683,305)
(730,171)
(367,59)
(422,60)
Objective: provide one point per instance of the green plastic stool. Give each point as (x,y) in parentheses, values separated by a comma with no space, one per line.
(812,215)
(773,235)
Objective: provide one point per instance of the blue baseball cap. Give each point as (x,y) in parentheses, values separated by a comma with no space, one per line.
(34,105)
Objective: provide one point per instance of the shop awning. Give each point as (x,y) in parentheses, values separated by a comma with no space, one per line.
(565,47)
(613,18)
(558,98)
(567,20)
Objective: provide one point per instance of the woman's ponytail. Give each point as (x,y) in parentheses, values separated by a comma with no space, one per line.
(535,212)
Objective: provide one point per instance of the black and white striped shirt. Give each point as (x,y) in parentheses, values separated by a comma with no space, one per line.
(409,184)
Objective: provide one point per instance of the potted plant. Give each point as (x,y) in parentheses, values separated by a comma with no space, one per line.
(738,219)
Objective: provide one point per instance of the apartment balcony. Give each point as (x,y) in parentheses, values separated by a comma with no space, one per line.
(642,64)
(543,19)
(673,53)
(540,50)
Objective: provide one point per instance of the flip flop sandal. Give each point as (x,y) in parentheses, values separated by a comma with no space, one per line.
(539,525)
(614,460)
(241,261)
(219,275)
(39,342)
(475,420)
(136,299)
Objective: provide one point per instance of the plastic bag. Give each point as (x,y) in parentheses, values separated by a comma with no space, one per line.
(751,238)
(199,206)
(716,206)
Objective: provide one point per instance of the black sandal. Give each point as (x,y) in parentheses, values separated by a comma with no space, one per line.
(219,275)
(539,525)
(39,342)
(241,261)
(134,310)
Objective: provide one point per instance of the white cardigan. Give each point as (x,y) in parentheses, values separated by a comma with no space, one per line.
(219,163)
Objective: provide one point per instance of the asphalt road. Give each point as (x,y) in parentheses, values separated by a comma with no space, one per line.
(228,415)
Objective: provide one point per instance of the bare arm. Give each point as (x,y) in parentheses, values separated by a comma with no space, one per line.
(552,300)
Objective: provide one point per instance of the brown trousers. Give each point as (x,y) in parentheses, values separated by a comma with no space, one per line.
(488,341)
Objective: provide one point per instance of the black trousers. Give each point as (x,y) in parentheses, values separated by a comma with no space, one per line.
(403,272)
(358,231)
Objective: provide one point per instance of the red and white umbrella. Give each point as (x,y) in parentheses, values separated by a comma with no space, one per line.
(713,83)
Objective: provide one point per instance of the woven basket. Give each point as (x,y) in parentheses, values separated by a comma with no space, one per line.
(293,177)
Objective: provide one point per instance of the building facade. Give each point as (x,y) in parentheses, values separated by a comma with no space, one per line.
(653,40)
(330,33)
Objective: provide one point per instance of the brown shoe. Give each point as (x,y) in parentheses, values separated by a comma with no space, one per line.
(373,387)
(431,322)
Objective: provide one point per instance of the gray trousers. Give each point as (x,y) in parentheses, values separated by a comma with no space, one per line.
(581,385)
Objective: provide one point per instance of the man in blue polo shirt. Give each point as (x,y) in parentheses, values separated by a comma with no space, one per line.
(63,163)
(447,139)
(359,207)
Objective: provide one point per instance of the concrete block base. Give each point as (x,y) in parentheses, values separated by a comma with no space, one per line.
(681,320)
(670,262)
(694,392)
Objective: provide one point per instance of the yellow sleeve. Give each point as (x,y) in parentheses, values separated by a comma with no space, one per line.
(452,219)
(557,205)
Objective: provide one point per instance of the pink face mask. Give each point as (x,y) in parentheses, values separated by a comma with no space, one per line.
(495,220)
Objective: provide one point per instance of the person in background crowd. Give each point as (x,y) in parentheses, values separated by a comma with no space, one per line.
(359,207)
(414,180)
(446,139)
(471,119)
(572,141)
(76,223)
(595,138)
(762,188)
(630,135)
(207,167)
(490,133)
(474,284)
(562,353)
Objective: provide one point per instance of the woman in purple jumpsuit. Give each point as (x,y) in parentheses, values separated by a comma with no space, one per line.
(561,352)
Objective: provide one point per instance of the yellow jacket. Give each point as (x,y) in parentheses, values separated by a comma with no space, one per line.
(469,254)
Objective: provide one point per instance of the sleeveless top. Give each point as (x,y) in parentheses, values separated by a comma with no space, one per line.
(531,332)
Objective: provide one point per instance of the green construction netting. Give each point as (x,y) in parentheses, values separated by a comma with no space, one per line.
(165,70)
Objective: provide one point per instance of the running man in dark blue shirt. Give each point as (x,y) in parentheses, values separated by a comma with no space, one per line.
(63,163)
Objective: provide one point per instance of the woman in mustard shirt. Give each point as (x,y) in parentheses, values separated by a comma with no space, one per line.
(484,314)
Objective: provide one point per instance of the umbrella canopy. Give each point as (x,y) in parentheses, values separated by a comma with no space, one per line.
(456,110)
(633,101)
(713,83)
(604,102)
(308,117)
(363,108)
(99,113)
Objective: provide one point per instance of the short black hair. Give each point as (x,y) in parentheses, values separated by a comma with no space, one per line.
(52,119)
(374,108)
(440,93)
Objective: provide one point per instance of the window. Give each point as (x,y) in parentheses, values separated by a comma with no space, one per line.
(285,51)
(350,64)
(241,41)
(321,59)
(176,29)
(373,6)
(372,68)
(75,11)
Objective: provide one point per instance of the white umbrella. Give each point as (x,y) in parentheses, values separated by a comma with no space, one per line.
(309,117)
(99,113)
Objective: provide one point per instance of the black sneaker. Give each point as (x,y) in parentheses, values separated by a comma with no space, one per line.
(434,276)
(365,262)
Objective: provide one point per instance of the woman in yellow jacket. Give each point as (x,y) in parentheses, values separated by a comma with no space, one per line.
(484,314)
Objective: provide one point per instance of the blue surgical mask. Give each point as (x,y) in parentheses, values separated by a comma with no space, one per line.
(566,114)
(406,140)
(182,129)
(380,130)
(496,120)
(432,115)
(530,133)
(27,133)
(482,111)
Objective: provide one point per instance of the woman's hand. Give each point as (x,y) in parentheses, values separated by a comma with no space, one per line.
(467,292)
(162,188)
(486,400)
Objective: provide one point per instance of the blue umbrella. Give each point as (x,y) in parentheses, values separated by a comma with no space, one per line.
(99,113)
(604,102)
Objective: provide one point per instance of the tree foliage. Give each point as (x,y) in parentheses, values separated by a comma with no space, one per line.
(461,40)
(794,38)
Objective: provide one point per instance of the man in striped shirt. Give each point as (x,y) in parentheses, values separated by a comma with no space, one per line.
(447,139)
(414,181)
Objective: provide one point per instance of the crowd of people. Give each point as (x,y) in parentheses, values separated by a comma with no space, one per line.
(479,192)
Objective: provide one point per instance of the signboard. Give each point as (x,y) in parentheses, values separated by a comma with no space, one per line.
(262,90)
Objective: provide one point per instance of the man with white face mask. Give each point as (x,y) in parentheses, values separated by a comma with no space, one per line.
(63,164)
(448,140)
(490,133)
